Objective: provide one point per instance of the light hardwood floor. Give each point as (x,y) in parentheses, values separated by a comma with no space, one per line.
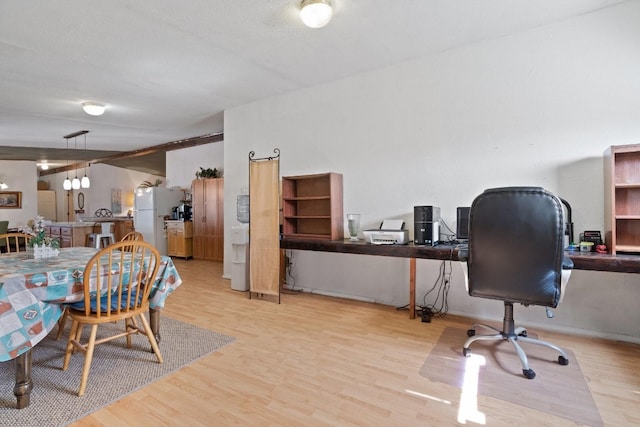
(322,361)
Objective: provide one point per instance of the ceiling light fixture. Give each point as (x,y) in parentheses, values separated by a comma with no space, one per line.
(44,165)
(75,184)
(67,182)
(316,13)
(93,108)
(85,183)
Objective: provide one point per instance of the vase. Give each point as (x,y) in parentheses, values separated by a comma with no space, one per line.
(40,251)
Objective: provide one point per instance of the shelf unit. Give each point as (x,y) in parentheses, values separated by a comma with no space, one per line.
(312,206)
(622,198)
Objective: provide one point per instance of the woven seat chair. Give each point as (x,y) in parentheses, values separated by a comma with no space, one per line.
(124,279)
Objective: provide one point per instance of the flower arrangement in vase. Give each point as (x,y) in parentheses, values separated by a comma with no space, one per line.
(40,244)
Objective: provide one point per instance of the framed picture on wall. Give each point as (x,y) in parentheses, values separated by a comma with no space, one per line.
(116,201)
(10,199)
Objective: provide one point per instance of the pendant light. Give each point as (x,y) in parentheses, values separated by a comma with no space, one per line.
(67,182)
(75,184)
(85,183)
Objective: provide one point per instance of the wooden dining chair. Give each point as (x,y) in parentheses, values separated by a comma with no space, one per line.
(122,280)
(14,242)
(4,226)
(132,235)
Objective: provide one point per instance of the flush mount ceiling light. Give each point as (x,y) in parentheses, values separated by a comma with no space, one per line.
(316,13)
(93,108)
(43,165)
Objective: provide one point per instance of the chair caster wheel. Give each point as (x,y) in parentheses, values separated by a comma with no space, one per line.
(523,333)
(471,332)
(466,352)
(563,360)
(529,374)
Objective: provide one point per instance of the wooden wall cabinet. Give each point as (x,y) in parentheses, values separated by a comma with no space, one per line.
(47,204)
(312,207)
(207,199)
(622,198)
(180,238)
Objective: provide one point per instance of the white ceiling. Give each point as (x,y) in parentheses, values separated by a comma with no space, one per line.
(168,69)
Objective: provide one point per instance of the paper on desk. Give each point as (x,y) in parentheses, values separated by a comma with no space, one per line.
(392,224)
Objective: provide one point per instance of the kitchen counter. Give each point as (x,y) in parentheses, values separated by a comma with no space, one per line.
(75,233)
(107,219)
(70,234)
(70,224)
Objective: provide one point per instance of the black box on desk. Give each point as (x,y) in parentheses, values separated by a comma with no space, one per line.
(426,229)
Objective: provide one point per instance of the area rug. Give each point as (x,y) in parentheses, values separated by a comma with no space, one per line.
(115,372)
(500,376)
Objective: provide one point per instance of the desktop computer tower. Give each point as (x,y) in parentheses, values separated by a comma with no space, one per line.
(462,223)
(426,229)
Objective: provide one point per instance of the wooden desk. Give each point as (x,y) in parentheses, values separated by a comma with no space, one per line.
(619,263)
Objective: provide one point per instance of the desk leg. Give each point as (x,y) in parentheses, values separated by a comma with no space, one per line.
(154,322)
(22,389)
(412,288)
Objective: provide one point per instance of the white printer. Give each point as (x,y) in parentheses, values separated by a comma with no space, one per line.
(391,232)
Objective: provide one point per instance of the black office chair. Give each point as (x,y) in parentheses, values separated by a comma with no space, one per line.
(516,255)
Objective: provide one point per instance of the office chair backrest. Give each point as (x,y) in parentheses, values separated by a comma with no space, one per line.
(516,245)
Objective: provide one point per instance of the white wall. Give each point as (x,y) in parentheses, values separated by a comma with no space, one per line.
(20,176)
(104,178)
(182,165)
(537,108)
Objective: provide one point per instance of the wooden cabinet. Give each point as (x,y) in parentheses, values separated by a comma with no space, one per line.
(47,204)
(312,206)
(180,238)
(622,198)
(120,226)
(68,235)
(207,198)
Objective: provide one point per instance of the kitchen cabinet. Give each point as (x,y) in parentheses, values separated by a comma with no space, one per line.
(69,234)
(180,238)
(121,226)
(312,206)
(622,198)
(207,199)
(47,204)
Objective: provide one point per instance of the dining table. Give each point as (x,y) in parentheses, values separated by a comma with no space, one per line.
(32,297)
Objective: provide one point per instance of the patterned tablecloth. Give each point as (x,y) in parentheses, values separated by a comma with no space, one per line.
(32,290)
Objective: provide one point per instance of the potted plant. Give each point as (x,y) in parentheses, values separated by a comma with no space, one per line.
(207,173)
(147,184)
